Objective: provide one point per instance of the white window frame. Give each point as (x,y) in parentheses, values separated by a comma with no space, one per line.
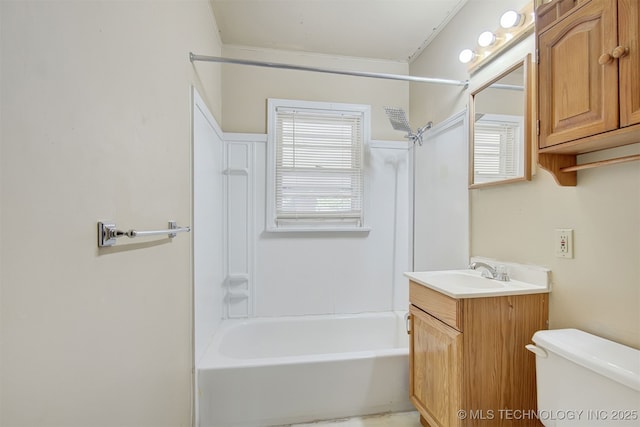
(517,124)
(329,223)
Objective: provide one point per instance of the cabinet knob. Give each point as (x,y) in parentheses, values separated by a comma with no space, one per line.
(605,58)
(620,52)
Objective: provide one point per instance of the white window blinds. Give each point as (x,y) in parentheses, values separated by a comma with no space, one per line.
(318,173)
(318,165)
(495,145)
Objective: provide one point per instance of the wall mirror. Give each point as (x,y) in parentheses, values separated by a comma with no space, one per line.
(500,128)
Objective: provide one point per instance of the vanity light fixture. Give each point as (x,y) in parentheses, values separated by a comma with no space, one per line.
(515,25)
(466,56)
(511,19)
(486,39)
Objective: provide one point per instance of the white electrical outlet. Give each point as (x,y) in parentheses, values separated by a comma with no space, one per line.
(564,243)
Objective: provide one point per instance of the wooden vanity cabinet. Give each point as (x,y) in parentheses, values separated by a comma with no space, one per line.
(467,359)
(435,381)
(588,79)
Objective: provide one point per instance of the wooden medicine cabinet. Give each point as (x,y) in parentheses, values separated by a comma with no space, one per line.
(588,81)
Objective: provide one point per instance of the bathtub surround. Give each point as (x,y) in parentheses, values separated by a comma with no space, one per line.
(270,275)
(279,274)
(305,273)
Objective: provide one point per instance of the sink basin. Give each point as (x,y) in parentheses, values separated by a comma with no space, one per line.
(467,280)
(471,284)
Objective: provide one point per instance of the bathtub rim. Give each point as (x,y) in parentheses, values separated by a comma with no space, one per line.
(214,359)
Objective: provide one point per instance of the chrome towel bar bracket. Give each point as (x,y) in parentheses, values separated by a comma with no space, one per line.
(108,233)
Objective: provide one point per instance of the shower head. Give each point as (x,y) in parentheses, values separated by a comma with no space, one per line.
(398,119)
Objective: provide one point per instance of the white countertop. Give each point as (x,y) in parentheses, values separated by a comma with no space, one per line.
(470,284)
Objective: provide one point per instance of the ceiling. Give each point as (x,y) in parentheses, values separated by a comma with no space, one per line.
(381,29)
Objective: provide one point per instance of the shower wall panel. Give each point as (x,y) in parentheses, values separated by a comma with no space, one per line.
(298,273)
(238,300)
(208,223)
(442,197)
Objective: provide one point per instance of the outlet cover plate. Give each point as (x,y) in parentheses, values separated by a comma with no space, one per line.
(563,243)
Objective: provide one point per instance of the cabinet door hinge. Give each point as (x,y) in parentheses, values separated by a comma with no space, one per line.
(537,56)
(538,127)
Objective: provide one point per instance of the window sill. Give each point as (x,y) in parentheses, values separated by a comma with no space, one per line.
(318,229)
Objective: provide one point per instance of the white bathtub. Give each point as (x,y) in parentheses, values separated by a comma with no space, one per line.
(274,371)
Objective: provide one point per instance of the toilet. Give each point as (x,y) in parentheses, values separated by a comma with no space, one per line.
(585,380)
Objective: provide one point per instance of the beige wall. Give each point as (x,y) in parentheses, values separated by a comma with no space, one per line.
(246,89)
(597,291)
(96,126)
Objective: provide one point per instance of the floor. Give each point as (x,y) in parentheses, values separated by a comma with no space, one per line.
(402,419)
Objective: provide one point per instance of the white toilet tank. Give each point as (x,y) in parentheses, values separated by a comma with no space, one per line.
(585,380)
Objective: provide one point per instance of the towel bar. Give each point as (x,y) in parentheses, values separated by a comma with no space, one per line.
(108,233)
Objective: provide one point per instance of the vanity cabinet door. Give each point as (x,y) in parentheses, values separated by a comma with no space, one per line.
(578,96)
(436,369)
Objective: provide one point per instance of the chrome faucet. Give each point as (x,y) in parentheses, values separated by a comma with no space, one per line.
(490,272)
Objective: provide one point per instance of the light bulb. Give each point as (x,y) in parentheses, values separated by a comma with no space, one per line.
(510,19)
(466,56)
(486,39)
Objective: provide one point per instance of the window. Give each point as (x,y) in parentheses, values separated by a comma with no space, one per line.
(496,148)
(315,170)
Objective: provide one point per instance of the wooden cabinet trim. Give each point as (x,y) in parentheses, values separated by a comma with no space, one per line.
(548,14)
(440,306)
(628,38)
